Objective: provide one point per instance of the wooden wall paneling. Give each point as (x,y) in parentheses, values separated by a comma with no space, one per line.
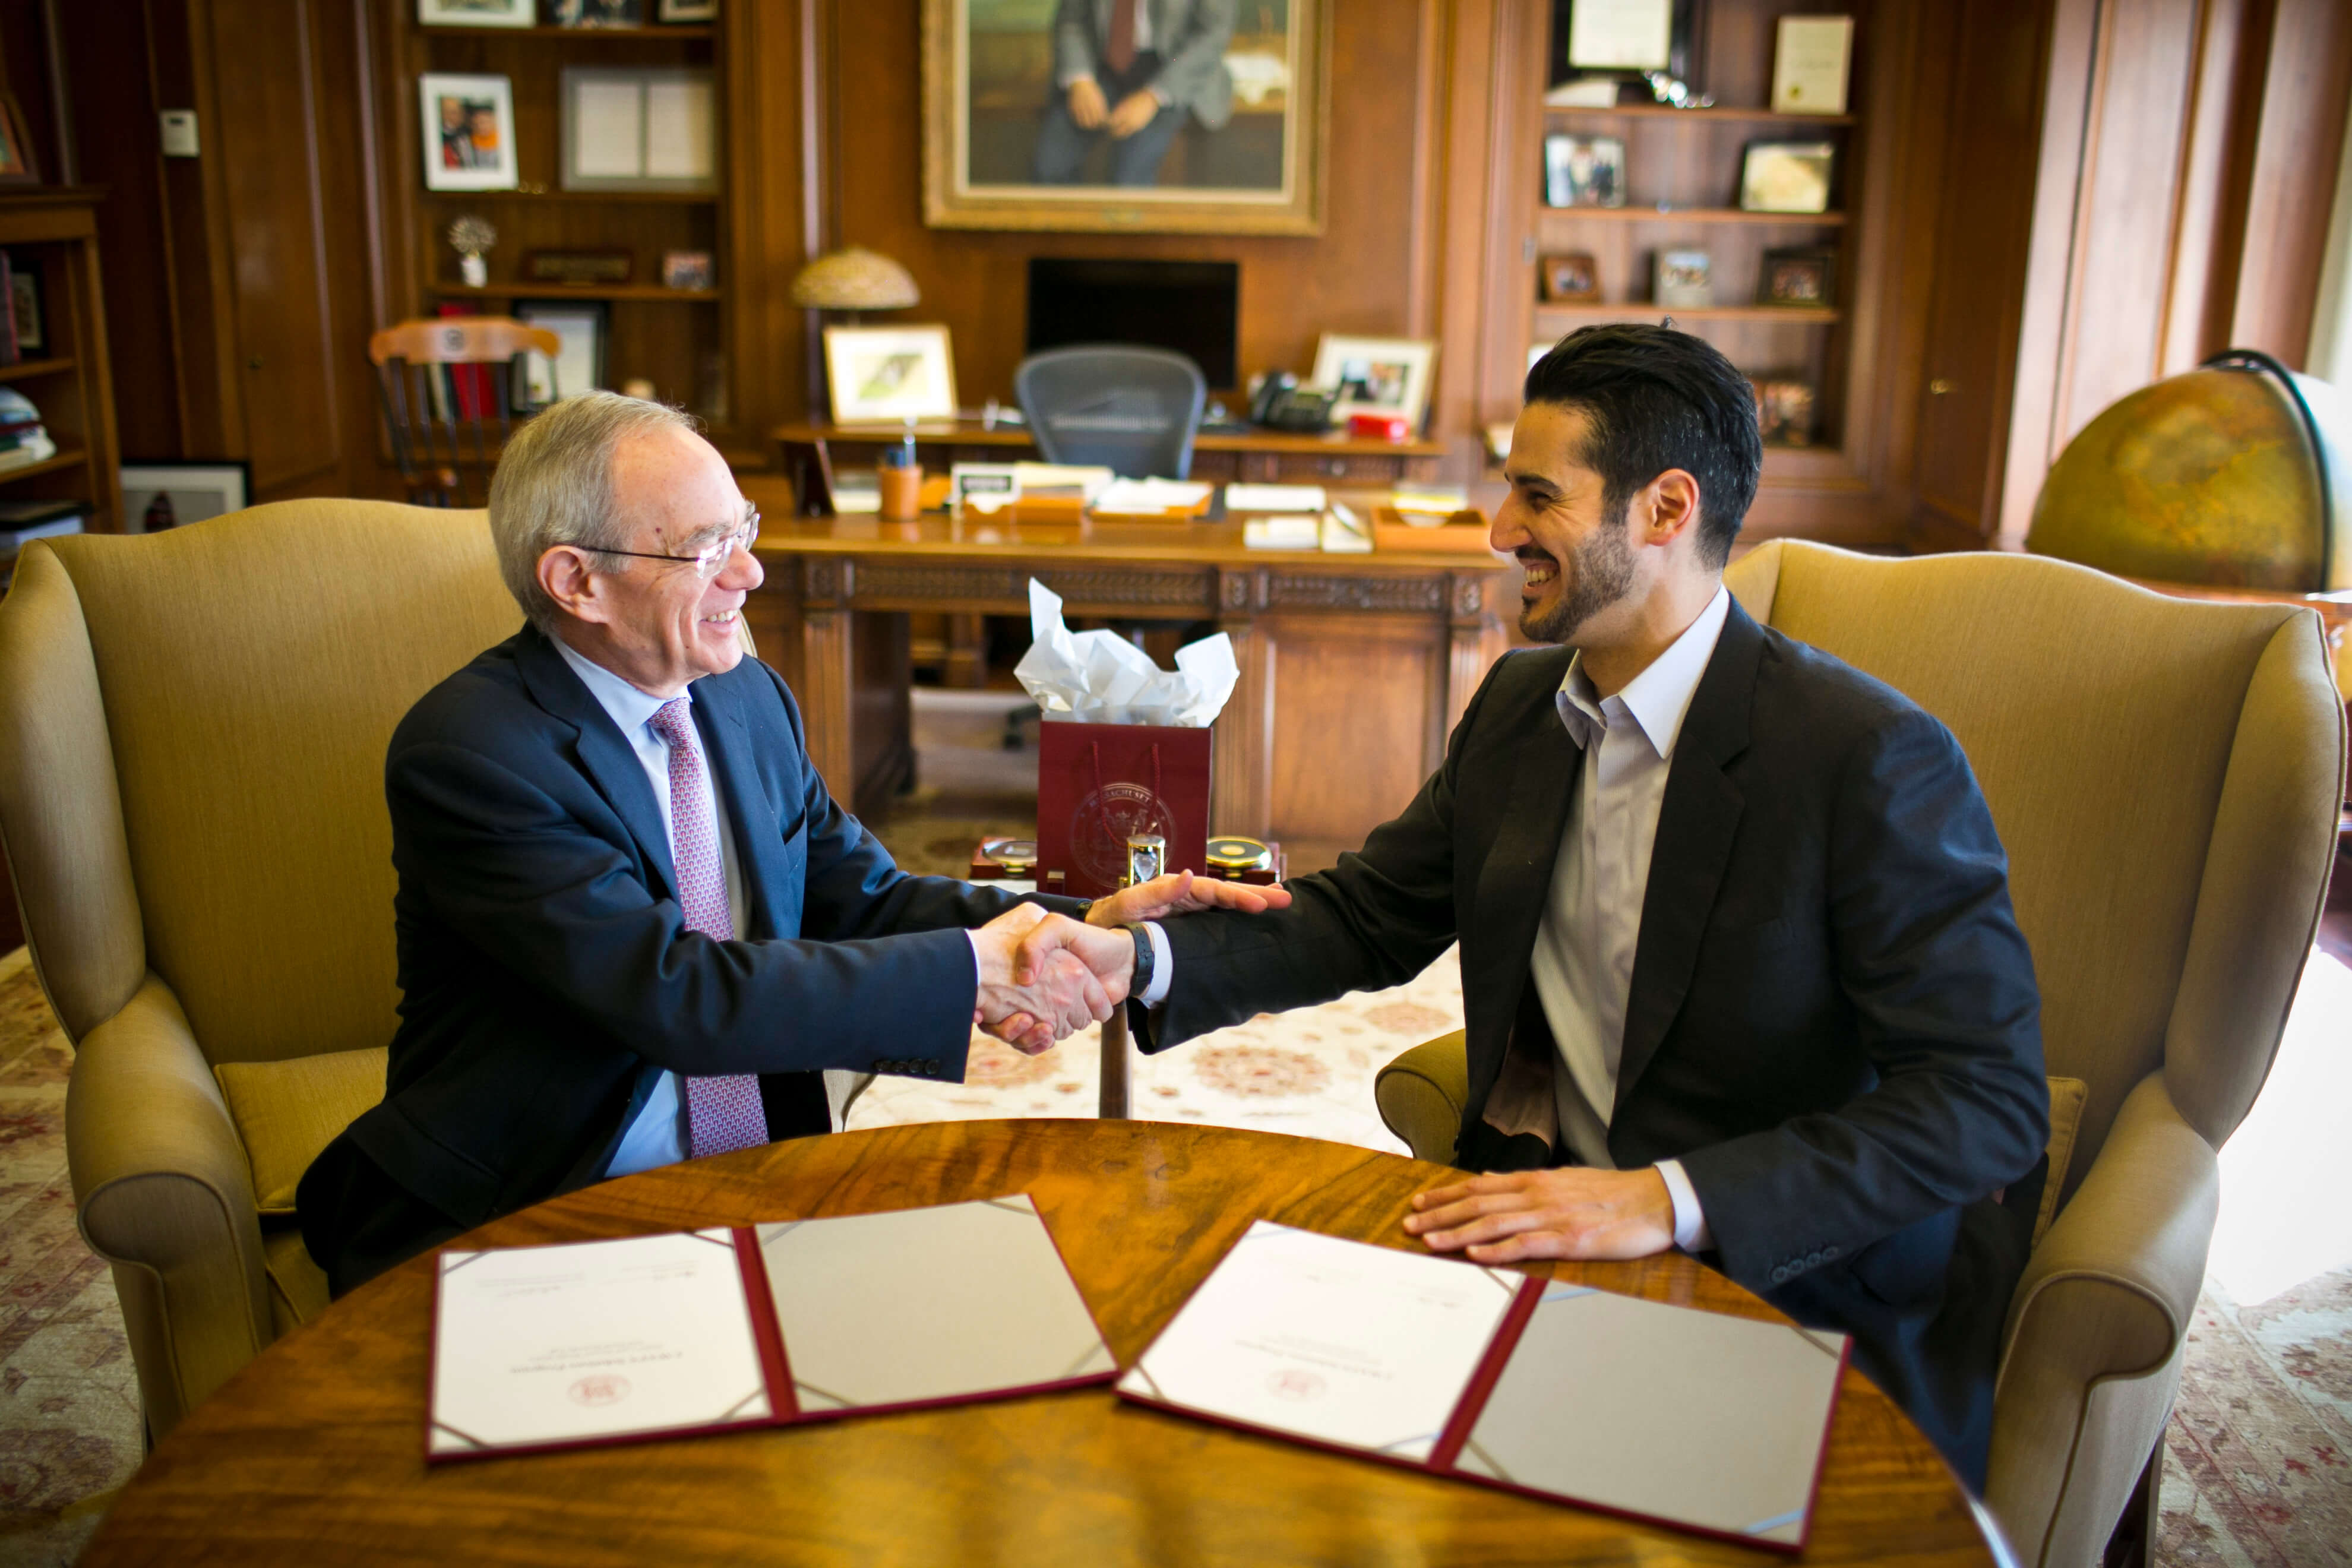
(2289,202)
(760,241)
(1468,128)
(2215,170)
(1980,233)
(1342,761)
(1241,783)
(1354,277)
(212,419)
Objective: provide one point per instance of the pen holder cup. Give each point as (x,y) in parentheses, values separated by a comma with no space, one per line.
(902,493)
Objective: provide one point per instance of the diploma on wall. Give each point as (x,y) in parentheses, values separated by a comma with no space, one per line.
(607,1341)
(1690,1419)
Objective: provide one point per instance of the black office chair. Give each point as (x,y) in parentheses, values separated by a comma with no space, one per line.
(1131,410)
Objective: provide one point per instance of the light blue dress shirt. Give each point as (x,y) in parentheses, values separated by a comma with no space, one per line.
(657,1136)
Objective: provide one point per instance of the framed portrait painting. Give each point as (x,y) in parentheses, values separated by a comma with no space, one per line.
(1126,116)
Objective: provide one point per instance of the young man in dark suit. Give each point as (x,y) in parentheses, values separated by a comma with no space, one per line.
(634,927)
(1739,966)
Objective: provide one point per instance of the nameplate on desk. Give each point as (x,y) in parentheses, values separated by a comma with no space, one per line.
(594,1343)
(1694,1420)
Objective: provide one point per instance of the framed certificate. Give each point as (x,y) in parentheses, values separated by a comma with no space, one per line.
(1626,38)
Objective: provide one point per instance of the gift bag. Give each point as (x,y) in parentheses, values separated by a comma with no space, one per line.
(1098,784)
(1124,748)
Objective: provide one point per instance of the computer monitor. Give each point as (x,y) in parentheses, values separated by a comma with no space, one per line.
(1188,306)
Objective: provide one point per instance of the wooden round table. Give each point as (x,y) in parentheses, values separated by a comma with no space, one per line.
(314,1453)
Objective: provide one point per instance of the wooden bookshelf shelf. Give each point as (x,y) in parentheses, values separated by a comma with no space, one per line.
(1630,214)
(1626,309)
(599,199)
(579,34)
(526,291)
(1721,115)
(24,369)
(63,461)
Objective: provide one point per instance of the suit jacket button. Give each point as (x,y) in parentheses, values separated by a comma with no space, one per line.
(1829,1254)
(1812,1260)
(1780,1274)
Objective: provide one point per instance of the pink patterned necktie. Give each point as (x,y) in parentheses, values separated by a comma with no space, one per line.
(721,1113)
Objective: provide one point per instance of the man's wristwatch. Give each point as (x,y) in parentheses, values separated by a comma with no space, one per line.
(1140,981)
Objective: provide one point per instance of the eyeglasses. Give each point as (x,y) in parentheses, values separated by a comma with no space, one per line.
(712,558)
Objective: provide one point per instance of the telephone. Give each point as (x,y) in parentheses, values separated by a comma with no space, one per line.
(1281,404)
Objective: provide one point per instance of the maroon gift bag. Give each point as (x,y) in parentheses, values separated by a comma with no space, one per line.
(1098,783)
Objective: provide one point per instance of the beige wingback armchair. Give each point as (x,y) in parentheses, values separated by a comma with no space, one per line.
(192,735)
(2165,775)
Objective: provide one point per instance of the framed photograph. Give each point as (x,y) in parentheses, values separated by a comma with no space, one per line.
(1787,176)
(885,374)
(17,167)
(1584,171)
(1570,277)
(1784,410)
(639,130)
(689,10)
(577,267)
(1226,136)
(468,127)
(687,270)
(157,496)
(1686,280)
(24,303)
(477,12)
(1625,38)
(595,13)
(1375,375)
(583,327)
(1798,276)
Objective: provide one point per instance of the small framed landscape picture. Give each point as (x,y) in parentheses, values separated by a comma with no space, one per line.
(1570,277)
(467,123)
(578,366)
(1787,176)
(1797,276)
(157,496)
(1686,279)
(885,374)
(1584,171)
(477,12)
(688,270)
(1375,375)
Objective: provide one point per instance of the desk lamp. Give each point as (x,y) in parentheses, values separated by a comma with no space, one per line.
(854,280)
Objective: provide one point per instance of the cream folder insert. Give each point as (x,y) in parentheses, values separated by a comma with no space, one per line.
(926,1305)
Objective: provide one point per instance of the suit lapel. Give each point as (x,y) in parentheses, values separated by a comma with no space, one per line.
(1696,823)
(602,754)
(727,741)
(1518,869)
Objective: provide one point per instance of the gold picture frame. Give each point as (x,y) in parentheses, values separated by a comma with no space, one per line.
(884,375)
(1240,148)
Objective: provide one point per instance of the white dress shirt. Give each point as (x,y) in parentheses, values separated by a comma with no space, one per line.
(1583,960)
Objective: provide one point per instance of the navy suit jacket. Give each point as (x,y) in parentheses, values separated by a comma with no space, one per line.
(1832,1020)
(545,959)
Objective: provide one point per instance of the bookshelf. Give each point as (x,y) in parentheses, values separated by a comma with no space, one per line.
(674,337)
(1682,176)
(53,230)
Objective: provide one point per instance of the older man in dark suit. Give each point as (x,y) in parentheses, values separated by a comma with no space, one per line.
(1131,70)
(1739,964)
(634,927)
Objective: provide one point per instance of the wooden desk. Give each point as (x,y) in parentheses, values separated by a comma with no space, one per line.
(1256,456)
(314,1453)
(1360,664)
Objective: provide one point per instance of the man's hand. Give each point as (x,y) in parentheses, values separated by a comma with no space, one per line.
(1106,951)
(1088,106)
(1054,996)
(1575,1212)
(1182,893)
(1133,113)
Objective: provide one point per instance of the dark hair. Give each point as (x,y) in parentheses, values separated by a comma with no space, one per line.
(1658,399)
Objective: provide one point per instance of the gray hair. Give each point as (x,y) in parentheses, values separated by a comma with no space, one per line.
(554,485)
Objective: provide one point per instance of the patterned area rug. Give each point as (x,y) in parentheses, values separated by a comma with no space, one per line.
(2256,1470)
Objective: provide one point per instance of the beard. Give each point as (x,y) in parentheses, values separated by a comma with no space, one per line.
(1595,577)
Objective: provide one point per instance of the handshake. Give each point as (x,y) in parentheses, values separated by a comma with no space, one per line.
(1044,977)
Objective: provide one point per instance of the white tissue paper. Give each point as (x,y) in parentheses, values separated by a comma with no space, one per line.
(1100,678)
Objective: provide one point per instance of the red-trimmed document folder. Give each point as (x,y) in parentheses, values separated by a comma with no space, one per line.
(1694,1420)
(595,1342)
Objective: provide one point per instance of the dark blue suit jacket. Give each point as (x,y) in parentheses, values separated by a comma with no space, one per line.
(544,961)
(1832,1020)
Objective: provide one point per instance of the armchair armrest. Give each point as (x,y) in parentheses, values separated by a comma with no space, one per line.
(2090,1359)
(164,1193)
(1421,1095)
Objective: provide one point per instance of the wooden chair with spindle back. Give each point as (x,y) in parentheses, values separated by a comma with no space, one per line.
(435,417)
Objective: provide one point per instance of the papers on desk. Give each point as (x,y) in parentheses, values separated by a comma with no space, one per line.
(1690,1419)
(606,1342)
(1152,498)
(1283,534)
(1274,498)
